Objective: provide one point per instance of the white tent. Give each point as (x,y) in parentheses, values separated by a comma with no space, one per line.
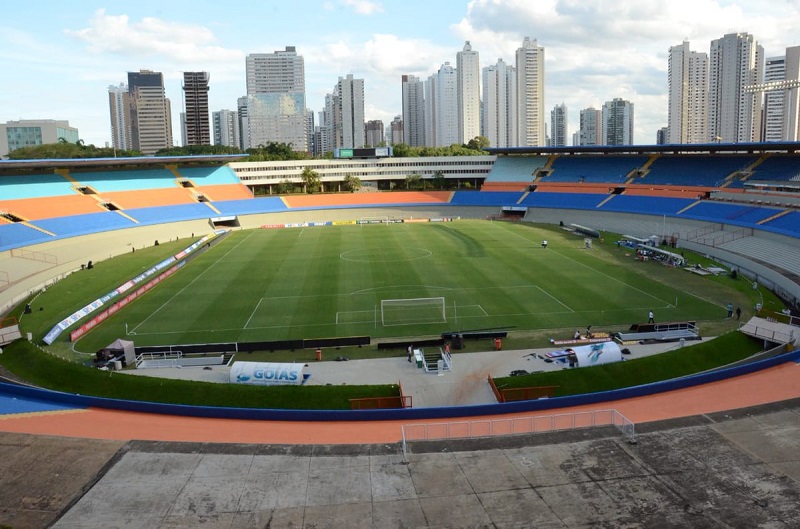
(124,346)
(596,354)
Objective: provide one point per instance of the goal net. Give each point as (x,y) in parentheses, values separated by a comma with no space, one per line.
(373,220)
(412,311)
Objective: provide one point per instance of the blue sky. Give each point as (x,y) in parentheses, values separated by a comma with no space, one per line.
(58,58)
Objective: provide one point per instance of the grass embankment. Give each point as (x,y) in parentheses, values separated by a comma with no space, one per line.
(672,364)
(29,363)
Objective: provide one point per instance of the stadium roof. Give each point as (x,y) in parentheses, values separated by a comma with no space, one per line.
(708,148)
(137,161)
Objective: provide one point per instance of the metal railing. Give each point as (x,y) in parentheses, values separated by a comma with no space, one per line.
(516,426)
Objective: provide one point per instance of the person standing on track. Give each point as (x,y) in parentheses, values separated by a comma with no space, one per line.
(651,317)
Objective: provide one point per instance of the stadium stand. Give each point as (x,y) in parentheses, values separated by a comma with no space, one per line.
(485,198)
(777,168)
(17,235)
(563,200)
(128,180)
(35,186)
(172,213)
(224,192)
(695,170)
(84,224)
(599,169)
(150,197)
(739,214)
(49,207)
(647,205)
(515,168)
(788,224)
(250,206)
(762,249)
(368,199)
(207,176)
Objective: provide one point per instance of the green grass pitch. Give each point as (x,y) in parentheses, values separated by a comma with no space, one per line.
(320,282)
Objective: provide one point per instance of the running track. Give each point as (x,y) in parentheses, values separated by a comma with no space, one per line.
(34,417)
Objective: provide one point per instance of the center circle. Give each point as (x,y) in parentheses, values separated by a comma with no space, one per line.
(385,255)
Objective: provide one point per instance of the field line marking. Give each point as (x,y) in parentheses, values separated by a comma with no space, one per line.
(548,294)
(253,313)
(221,257)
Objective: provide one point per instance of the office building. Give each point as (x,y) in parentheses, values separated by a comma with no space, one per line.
(150,112)
(413,111)
(31,132)
(688,95)
(396,134)
(736,62)
(195,109)
(347,113)
(468,91)
(276,99)
(558,126)
(500,105)
(530,95)
(618,122)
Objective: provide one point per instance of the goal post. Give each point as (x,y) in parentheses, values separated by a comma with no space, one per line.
(412,311)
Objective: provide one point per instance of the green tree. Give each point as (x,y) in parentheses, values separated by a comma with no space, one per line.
(439,181)
(311,181)
(284,187)
(413,181)
(352,183)
(478,143)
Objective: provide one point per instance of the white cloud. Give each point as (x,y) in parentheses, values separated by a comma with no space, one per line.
(363,7)
(153,38)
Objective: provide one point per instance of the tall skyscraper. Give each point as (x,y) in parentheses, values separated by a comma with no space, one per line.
(396,135)
(791,95)
(530,95)
(431,88)
(119,107)
(276,99)
(413,111)
(618,122)
(500,104)
(348,125)
(195,104)
(446,111)
(558,126)
(226,128)
(688,95)
(736,61)
(150,112)
(242,122)
(468,88)
(773,122)
(591,127)
(374,133)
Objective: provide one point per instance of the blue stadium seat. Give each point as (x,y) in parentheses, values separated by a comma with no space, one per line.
(34,186)
(250,206)
(84,224)
(647,205)
(209,176)
(594,169)
(128,180)
(17,235)
(515,168)
(485,198)
(695,170)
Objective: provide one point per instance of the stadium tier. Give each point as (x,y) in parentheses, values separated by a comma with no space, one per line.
(740,214)
(18,235)
(647,205)
(34,186)
(599,169)
(128,180)
(486,198)
(50,207)
(149,197)
(174,213)
(788,224)
(515,168)
(777,168)
(250,206)
(206,176)
(695,170)
(563,200)
(84,224)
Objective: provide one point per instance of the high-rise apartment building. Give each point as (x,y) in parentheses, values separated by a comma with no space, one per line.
(618,122)
(736,62)
(590,127)
(276,99)
(31,132)
(373,132)
(119,108)
(446,110)
(413,111)
(396,134)
(242,122)
(195,108)
(688,95)
(226,128)
(791,95)
(348,117)
(468,87)
(773,122)
(558,126)
(530,94)
(662,136)
(500,104)
(431,87)
(150,112)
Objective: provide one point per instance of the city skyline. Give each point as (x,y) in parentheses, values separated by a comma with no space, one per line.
(62,65)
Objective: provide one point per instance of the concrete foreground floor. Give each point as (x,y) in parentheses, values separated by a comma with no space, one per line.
(736,469)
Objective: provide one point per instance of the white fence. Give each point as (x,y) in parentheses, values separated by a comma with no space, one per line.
(517,426)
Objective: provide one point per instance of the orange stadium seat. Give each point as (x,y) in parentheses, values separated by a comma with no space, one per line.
(51,207)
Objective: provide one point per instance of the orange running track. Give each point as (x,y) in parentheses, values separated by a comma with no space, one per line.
(769,385)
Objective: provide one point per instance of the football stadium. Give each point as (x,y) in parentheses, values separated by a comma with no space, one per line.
(603,297)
